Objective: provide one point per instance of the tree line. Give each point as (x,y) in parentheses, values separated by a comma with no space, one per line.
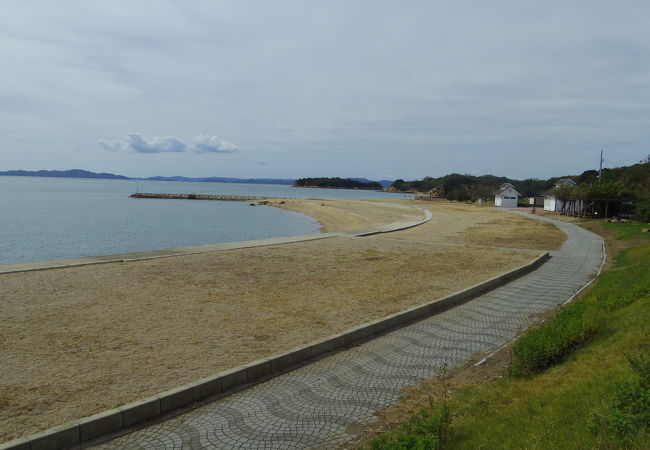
(620,183)
(336,182)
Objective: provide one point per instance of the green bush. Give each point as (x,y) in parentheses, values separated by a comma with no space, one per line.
(642,210)
(550,343)
(427,429)
(579,322)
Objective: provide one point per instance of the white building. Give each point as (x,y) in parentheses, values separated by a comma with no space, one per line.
(507,196)
(552,203)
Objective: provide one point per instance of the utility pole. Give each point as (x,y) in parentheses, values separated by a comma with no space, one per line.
(600,171)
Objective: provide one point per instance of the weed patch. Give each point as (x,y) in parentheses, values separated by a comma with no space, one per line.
(550,343)
(427,429)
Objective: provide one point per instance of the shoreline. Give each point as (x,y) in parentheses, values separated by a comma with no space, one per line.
(80,340)
(335,219)
(343,215)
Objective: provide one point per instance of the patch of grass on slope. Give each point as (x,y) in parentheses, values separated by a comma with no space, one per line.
(428,429)
(585,395)
(581,321)
(629,231)
(576,403)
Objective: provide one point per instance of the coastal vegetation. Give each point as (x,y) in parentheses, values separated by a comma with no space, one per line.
(466,187)
(629,183)
(580,380)
(337,183)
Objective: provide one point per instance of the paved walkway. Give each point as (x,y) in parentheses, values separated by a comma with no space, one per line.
(320,405)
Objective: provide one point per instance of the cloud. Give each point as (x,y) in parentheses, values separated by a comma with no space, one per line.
(136,143)
(112,146)
(140,144)
(206,143)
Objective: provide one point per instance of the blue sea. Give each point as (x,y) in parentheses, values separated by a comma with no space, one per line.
(53,218)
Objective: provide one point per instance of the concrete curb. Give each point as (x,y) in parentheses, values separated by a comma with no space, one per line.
(154,254)
(118,419)
(395,226)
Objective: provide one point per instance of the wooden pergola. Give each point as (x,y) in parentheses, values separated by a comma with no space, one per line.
(597,207)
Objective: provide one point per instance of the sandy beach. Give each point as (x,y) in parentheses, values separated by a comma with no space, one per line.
(80,340)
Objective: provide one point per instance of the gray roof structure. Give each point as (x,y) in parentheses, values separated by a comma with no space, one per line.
(504,187)
(563,182)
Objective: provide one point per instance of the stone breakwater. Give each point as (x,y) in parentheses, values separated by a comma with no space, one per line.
(227,198)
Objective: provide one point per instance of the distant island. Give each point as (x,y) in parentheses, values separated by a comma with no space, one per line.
(348,183)
(337,183)
(285,181)
(79,173)
(72,173)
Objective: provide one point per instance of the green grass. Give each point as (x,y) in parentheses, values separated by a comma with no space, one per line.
(587,385)
(428,429)
(581,321)
(629,231)
(630,410)
(556,409)
(550,343)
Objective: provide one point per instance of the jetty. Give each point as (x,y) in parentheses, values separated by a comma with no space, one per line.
(219,197)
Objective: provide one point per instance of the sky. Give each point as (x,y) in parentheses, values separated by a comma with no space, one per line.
(353,88)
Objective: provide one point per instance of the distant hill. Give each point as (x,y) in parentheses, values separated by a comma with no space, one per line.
(337,183)
(72,173)
(627,182)
(79,173)
(284,181)
(384,183)
(463,187)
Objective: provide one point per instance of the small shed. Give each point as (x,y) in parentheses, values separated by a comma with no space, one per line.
(551,202)
(507,196)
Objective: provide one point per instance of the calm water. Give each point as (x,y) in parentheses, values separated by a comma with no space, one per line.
(54,218)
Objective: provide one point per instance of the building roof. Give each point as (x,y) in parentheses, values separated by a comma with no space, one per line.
(504,187)
(565,182)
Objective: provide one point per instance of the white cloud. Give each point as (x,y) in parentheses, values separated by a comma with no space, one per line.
(136,143)
(140,144)
(112,145)
(206,143)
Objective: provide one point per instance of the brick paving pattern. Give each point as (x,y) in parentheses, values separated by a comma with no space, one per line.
(322,404)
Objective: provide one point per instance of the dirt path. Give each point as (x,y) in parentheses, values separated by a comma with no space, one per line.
(80,340)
